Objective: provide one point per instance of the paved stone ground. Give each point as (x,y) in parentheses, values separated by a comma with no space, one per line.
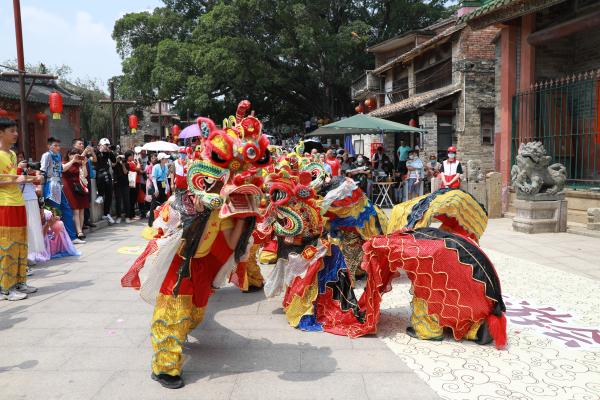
(571,253)
(84,337)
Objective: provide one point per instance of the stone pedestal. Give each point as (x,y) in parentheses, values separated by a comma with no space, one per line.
(493,187)
(593,219)
(477,190)
(96,210)
(436,183)
(540,216)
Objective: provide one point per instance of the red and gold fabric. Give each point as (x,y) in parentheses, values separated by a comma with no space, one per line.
(13,227)
(13,246)
(247,273)
(458,211)
(175,316)
(449,273)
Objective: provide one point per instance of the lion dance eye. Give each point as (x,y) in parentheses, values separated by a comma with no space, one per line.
(251,153)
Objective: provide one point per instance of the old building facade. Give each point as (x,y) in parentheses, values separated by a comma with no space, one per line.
(444,78)
(548,86)
(40,124)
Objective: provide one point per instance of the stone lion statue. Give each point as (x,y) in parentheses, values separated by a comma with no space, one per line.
(474,173)
(533,175)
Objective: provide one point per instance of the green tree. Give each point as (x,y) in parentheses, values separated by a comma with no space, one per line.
(292,58)
(94,117)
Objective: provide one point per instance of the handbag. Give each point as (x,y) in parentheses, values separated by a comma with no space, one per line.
(132,176)
(79,188)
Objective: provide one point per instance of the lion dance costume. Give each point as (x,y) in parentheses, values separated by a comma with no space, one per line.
(202,233)
(455,285)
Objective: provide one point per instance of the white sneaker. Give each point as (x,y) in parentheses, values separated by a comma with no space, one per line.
(12,295)
(99,200)
(119,220)
(78,241)
(29,272)
(25,288)
(128,220)
(109,218)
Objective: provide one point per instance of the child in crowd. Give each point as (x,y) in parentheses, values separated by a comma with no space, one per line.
(57,242)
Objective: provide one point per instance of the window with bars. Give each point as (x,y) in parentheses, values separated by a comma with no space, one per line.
(487,123)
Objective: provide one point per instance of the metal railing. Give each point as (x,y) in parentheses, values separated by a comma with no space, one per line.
(364,84)
(563,115)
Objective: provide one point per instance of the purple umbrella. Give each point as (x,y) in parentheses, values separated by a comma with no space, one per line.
(191,131)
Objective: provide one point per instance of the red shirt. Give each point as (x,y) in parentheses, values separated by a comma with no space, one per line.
(335,165)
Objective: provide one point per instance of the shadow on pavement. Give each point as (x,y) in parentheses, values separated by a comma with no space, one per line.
(12,316)
(269,356)
(24,365)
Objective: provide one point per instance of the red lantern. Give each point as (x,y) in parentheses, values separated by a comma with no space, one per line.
(56,104)
(3,113)
(370,103)
(176,130)
(412,123)
(41,118)
(359,108)
(133,123)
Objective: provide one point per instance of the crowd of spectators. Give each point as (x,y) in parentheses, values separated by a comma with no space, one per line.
(59,193)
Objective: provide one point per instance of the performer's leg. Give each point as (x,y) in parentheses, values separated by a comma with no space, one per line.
(472,333)
(13,250)
(173,319)
(424,326)
(254,277)
(479,333)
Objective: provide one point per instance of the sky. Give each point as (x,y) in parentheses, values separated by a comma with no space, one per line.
(76,33)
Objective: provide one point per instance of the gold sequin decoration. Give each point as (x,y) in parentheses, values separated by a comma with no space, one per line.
(173,319)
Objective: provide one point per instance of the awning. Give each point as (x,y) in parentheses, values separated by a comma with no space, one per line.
(362,124)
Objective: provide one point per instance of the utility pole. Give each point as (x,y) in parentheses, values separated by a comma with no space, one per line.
(22,74)
(112,102)
(21,67)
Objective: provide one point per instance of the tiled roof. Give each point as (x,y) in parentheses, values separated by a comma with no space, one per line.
(409,55)
(9,89)
(510,9)
(487,8)
(415,102)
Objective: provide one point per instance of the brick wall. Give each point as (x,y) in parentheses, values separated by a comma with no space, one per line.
(475,61)
(573,54)
(553,60)
(587,50)
(477,45)
(429,145)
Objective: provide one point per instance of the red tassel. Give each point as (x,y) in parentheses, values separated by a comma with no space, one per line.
(497,328)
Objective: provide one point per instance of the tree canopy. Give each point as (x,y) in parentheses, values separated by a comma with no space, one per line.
(292,58)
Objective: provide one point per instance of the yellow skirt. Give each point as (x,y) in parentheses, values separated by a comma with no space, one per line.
(13,246)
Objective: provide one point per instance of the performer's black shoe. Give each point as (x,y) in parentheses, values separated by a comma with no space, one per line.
(410,331)
(483,335)
(252,289)
(168,381)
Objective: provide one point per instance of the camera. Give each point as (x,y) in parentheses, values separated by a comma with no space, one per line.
(34,165)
